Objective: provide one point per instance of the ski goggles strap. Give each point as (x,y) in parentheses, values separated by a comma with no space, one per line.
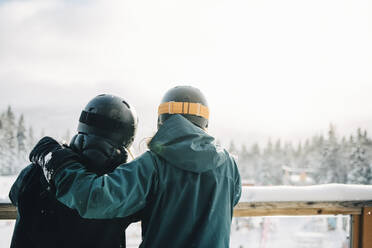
(100,121)
(187,108)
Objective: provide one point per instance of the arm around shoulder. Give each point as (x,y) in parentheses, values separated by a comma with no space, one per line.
(117,194)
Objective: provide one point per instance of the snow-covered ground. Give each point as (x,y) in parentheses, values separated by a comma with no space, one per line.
(257,232)
(290,232)
(5,184)
(6,230)
(6,226)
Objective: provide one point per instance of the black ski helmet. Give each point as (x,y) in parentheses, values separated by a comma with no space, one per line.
(187,101)
(110,117)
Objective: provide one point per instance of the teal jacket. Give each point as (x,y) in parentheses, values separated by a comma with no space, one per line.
(185,185)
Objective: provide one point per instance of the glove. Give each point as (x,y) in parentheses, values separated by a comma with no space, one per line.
(42,151)
(99,154)
(51,156)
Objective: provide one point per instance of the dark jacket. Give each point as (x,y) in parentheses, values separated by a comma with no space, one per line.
(42,221)
(186,185)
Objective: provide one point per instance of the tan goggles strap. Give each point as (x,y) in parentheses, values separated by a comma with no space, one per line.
(188,108)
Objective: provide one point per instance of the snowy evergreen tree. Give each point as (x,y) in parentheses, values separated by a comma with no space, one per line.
(255,150)
(21,135)
(360,170)
(30,139)
(288,154)
(299,150)
(333,168)
(243,163)
(22,152)
(278,146)
(269,148)
(3,147)
(232,148)
(13,143)
(255,161)
(269,171)
(9,142)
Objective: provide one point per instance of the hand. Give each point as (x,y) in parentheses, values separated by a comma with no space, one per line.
(50,155)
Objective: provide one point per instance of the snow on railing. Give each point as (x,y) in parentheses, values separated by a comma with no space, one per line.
(316,193)
(304,200)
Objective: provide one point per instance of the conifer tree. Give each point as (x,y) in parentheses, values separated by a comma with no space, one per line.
(30,138)
(232,148)
(278,146)
(2,144)
(255,150)
(307,146)
(255,161)
(269,148)
(360,170)
(21,135)
(299,149)
(244,164)
(329,172)
(9,143)
(13,143)
(244,154)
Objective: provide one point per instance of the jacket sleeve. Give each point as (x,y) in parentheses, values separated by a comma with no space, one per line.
(238,185)
(118,194)
(20,183)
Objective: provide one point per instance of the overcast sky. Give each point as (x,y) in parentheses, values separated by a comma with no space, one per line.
(280,69)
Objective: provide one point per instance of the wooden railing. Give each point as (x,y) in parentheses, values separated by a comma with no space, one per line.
(7,211)
(360,211)
(356,202)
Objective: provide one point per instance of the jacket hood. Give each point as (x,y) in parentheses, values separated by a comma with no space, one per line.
(97,153)
(186,146)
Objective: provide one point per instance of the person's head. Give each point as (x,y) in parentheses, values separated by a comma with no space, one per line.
(187,101)
(109,117)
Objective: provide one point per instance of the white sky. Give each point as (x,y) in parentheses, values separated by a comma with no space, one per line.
(269,68)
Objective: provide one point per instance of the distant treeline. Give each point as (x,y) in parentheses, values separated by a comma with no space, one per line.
(329,159)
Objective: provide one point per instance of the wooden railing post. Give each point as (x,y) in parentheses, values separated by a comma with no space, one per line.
(366,231)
